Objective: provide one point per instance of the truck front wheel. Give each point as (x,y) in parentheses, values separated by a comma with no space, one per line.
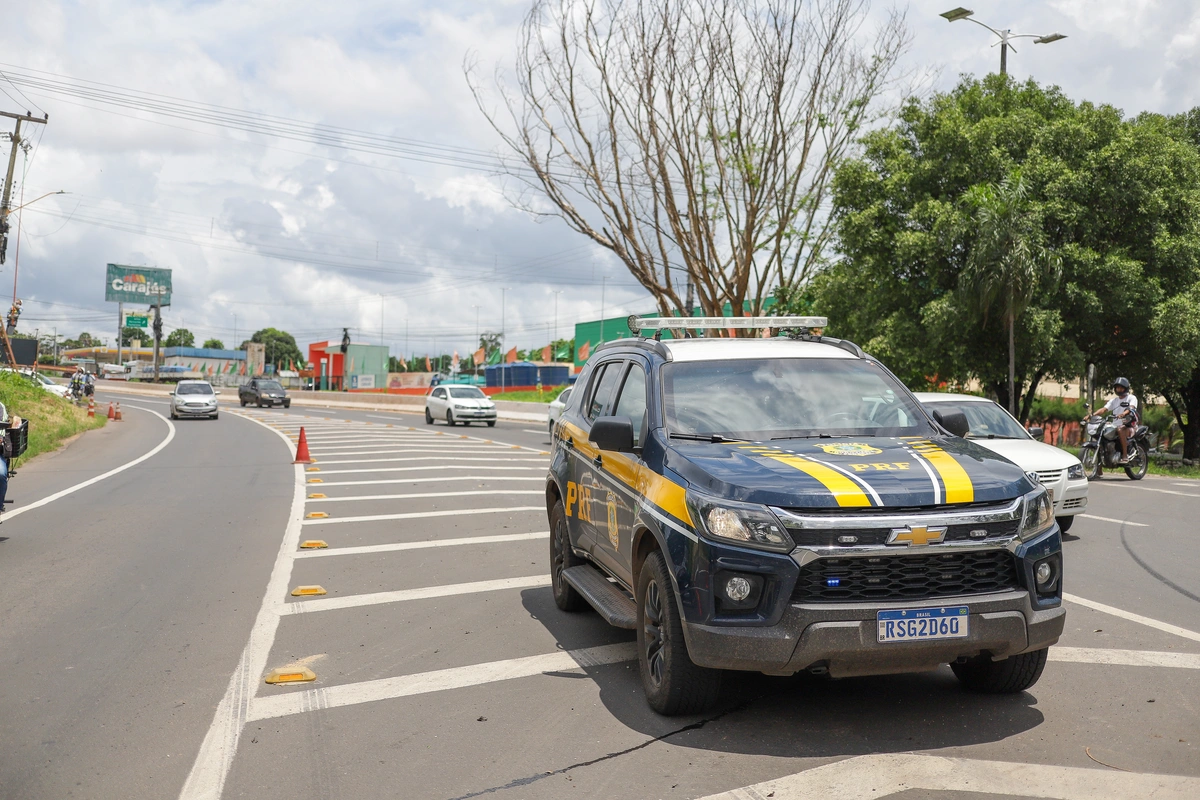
(673,684)
(1010,676)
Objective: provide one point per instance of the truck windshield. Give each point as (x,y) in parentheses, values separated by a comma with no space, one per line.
(270,385)
(784,398)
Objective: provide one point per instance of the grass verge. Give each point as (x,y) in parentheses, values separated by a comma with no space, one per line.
(52,420)
(547,395)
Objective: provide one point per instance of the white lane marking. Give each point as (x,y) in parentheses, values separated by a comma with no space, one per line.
(438,457)
(437,680)
(488,478)
(433,433)
(541,472)
(1116,521)
(391,548)
(876,776)
(435,466)
(1129,615)
(207,777)
(414,412)
(1191,485)
(419,495)
(405,595)
(526,430)
(1125,658)
(19,510)
(1160,491)
(455,512)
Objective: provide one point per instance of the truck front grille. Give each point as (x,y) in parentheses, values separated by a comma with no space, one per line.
(905,577)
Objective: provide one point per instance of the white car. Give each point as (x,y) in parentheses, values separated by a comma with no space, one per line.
(994,428)
(194,399)
(49,385)
(455,403)
(557,405)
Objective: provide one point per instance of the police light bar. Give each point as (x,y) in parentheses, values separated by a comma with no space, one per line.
(637,324)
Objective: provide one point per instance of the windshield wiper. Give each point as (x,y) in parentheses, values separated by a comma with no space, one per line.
(825,436)
(712,438)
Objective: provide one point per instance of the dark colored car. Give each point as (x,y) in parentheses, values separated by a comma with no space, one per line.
(788,506)
(263,392)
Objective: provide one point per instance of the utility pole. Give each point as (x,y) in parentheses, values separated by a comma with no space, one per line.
(6,205)
(157,330)
(477,339)
(120,330)
(603,286)
(557,292)
(503,343)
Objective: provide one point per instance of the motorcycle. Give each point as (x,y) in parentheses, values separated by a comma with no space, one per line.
(1103,448)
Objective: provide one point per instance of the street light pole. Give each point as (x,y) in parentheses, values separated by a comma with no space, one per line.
(503,343)
(477,338)
(557,292)
(1006,36)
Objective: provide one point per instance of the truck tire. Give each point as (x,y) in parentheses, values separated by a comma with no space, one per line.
(672,682)
(242,400)
(1010,676)
(287,403)
(562,557)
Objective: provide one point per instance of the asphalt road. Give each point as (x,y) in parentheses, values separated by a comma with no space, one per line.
(136,636)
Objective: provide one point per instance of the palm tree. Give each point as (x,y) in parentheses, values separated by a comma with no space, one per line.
(1008,263)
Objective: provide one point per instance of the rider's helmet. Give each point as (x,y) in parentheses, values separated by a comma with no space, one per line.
(1123,382)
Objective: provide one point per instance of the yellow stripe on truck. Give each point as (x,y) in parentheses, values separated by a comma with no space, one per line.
(847,493)
(959,488)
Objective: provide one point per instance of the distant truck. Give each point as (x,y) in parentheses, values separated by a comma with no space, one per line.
(263,392)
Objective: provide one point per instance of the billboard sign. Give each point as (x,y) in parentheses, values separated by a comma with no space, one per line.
(137,285)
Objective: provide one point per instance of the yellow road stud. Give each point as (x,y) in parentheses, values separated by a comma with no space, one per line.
(464,437)
(316,515)
(316,496)
(543,452)
(291,675)
(516,447)
(315,480)
(390,425)
(313,544)
(308,591)
(313,469)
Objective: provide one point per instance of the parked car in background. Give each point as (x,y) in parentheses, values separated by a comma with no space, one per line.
(263,392)
(557,405)
(455,404)
(194,399)
(49,385)
(994,428)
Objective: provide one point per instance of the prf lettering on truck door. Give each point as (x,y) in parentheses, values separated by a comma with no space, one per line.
(581,495)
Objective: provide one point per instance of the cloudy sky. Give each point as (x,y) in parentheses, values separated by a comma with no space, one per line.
(407,242)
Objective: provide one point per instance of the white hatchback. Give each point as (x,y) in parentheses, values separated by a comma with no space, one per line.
(557,405)
(994,428)
(455,404)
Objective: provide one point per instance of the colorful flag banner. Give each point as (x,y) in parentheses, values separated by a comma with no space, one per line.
(428,366)
(510,356)
(479,356)
(583,351)
(547,353)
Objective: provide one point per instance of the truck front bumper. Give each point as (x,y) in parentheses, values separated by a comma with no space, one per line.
(843,638)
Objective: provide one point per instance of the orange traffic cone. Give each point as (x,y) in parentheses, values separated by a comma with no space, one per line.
(118,412)
(302,456)
(112,413)
(91,406)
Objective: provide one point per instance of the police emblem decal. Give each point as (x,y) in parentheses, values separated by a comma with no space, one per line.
(849,449)
(612,521)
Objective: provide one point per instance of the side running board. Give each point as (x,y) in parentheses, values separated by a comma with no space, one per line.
(609,600)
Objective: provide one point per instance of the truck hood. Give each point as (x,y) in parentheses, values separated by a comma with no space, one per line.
(832,473)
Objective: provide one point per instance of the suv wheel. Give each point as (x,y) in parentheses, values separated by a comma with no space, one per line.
(1013,674)
(562,557)
(673,684)
(428,417)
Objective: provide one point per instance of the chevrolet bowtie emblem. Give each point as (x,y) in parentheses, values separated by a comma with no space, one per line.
(918,535)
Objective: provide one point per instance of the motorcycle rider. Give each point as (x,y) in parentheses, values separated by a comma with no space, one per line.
(1124,408)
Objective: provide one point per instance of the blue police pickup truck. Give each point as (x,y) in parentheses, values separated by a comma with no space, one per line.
(784,505)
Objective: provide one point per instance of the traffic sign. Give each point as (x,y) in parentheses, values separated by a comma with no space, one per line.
(137,321)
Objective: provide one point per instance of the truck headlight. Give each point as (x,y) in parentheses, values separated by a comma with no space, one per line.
(1039,513)
(744,523)
(1075,472)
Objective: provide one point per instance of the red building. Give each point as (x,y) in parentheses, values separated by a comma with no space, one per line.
(330,353)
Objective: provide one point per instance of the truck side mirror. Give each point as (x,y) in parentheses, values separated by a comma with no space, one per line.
(613,433)
(953,421)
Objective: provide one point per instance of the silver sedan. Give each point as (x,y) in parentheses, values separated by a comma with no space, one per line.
(194,399)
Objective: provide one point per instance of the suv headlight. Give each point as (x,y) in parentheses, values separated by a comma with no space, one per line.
(1075,472)
(1039,513)
(744,523)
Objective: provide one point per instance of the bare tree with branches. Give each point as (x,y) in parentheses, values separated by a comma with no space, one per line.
(695,139)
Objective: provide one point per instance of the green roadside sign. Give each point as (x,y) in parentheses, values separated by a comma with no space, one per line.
(137,321)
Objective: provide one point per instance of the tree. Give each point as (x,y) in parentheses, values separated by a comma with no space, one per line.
(490,342)
(1118,200)
(128,335)
(1008,263)
(180,337)
(695,141)
(280,346)
(213,344)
